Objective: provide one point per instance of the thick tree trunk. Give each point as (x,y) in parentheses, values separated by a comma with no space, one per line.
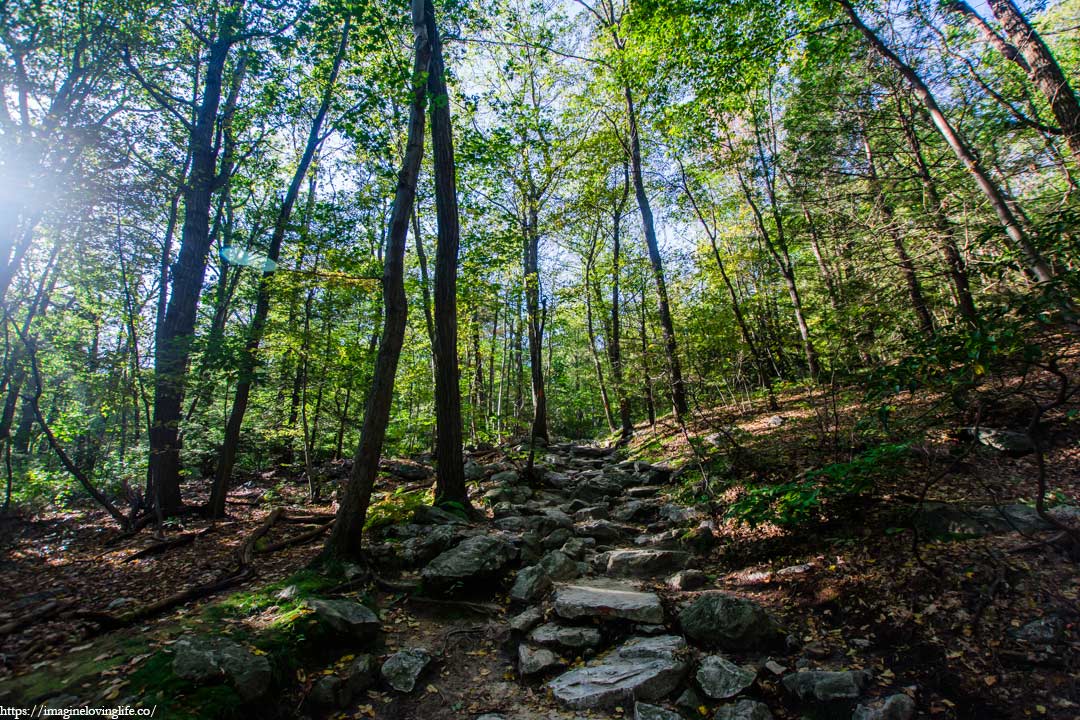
(667,325)
(1027,50)
(249,359)
(345,537)
(173,343)
(999,201)
(450,486)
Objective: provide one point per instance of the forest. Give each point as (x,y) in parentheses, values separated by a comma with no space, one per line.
(540,359)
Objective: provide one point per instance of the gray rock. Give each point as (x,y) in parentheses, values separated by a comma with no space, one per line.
(597,489)
(592,512)
(721,679)
(689,702)
(667,647)
(360,674)
(617,681)
(645,563)
(473,470)
(435,515)
(412,472)
(557,538)
(329,691)
(650,629)
(536,660)
(557,516)
(716,619)
(506,477)
(560,566)
(608,601)
(1014,444)
(575,548)
(604,531)
(637,511)
(346,617)
(527,620)
(531,584)
(204,658)
(775,421)
(895,707)
(744,710)
(506,493)
(1045,630)
(644,711)
(402,669)
(826,685)
(642,491)
(687,580)
(505,510)
(556,479)
(490,716)
(120,602)
(478,558)
(573,638)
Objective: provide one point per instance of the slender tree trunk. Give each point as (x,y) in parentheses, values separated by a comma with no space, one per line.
(907,265)
(667,325)
(532,312)
(590,330)
(999,201)
(249,358)
(450,483)
(650,402)
(345,537)
(946,237)
(614,344)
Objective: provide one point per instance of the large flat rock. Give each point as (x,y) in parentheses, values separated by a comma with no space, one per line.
(617,680)
(608,600)
(645,563)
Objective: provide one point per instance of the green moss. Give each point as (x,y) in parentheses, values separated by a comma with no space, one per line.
(154,684)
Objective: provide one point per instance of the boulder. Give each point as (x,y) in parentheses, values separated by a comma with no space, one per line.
(530,585)
(573,638)
(360,674)
(329,691)
(895,707)
(532,661)
(668,647)
(557,538)
(207,659)
(402,669)
(560,566)
(744,710)
(597,489)
(346,617)
(527,620)
(686,580)
(1010,442)
(506,477)
(604,531)
(507,493)
(465,567)
(645,563)
(826,685)
(608,601)
(721,679)
(473,470)
(1043,631)
(720,620)
(435,515)
(616,680)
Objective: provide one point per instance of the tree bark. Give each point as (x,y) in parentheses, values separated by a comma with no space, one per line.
(345,538)
(667,325)
(450,484)
(614,345)
(173,343)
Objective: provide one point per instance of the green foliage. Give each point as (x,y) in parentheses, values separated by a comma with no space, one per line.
(819,492)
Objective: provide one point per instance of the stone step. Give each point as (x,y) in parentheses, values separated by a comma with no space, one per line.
(608,601)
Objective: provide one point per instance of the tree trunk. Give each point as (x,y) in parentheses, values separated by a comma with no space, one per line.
(650,402)
(907,265)
(1031,54)
(999,201)
(532,312)
(249,358)
(450,485)
(173,343)
(954,262)
(678,387)
(346,535)
(605,401)
(614,346)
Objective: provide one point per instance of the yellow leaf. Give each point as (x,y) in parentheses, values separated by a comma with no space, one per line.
(990,680)
(1041,709)
(432,689)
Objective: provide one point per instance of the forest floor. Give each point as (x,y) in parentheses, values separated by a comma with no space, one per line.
(914,581)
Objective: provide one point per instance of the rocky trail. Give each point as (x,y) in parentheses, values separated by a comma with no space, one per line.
(579,593)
